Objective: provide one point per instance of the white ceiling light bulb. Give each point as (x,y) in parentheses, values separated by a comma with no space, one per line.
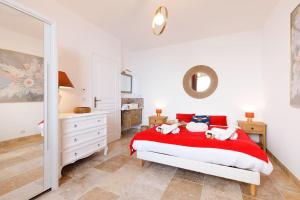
(159,19)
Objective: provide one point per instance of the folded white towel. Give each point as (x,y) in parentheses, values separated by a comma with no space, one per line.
(176,131)
(223,134)
(165,129)
(197,127)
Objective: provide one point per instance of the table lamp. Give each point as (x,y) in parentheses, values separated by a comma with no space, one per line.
(158,112)
(249,116)
(63,82)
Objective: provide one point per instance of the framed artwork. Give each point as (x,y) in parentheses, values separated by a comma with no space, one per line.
(295,58)
(21,77)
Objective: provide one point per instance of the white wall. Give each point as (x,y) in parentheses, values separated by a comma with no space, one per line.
(282,119)
(235,58)
(20,119)
(21,43)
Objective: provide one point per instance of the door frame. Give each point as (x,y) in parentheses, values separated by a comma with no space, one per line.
(50,94)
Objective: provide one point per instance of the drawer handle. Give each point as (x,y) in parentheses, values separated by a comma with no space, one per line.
(75,125)
(98,120)
(75,139)
(98,145)
(99,133)
(75,154)
(252,128)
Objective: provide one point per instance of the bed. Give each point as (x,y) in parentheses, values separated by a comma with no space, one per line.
(240,160)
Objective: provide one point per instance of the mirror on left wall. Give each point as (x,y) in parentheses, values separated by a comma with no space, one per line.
(21,104)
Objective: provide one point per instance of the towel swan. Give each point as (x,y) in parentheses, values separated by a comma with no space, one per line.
(166,129)
(222,134)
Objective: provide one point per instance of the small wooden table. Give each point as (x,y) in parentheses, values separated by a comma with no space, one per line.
(157,120)
(258,128)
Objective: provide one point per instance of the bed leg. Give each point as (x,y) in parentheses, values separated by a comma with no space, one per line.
(253,189)
(142,163)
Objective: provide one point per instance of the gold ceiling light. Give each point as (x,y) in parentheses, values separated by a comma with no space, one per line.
(159,21)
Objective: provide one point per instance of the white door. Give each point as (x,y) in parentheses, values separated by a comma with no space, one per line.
(106,93)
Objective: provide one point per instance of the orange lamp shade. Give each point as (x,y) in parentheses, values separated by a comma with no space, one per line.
(158,111)
(249,115)
(63,80)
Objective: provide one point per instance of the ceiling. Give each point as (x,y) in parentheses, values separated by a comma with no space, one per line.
(21,23)
(130,20)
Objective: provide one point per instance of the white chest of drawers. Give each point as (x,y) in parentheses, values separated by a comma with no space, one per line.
(81,135)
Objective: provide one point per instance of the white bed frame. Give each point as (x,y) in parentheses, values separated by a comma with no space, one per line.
(242,175)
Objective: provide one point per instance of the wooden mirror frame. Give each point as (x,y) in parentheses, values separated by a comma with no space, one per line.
(203,69)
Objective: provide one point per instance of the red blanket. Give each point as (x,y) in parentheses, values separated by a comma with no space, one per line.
(186,138)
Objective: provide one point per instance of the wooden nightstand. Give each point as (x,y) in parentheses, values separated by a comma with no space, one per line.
(258,128)
(157,120)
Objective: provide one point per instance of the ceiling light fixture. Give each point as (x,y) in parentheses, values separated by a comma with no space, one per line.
(159,21)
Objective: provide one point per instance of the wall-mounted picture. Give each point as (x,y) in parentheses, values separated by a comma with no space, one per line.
(295,58)
(21,77)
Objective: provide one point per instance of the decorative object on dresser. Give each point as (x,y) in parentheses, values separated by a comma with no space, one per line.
(79,110)
(258,128)
(81,135)
(132,111)
(157,120)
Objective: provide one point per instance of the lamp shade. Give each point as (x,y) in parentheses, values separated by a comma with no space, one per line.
(249,114)
(63,80)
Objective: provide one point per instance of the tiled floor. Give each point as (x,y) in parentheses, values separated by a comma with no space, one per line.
(21,168)
(119,176)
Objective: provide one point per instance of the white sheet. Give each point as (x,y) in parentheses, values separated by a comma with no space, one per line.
(209,155)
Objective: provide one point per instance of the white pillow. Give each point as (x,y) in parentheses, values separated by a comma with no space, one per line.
(197,127)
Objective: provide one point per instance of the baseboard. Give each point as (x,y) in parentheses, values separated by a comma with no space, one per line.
(283,167)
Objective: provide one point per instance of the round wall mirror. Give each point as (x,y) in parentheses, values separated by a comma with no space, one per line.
(200,81)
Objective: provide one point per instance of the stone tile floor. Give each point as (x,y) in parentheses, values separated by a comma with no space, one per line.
(119,176)
(21,168)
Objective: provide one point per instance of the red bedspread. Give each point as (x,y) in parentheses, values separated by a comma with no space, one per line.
(185,138)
